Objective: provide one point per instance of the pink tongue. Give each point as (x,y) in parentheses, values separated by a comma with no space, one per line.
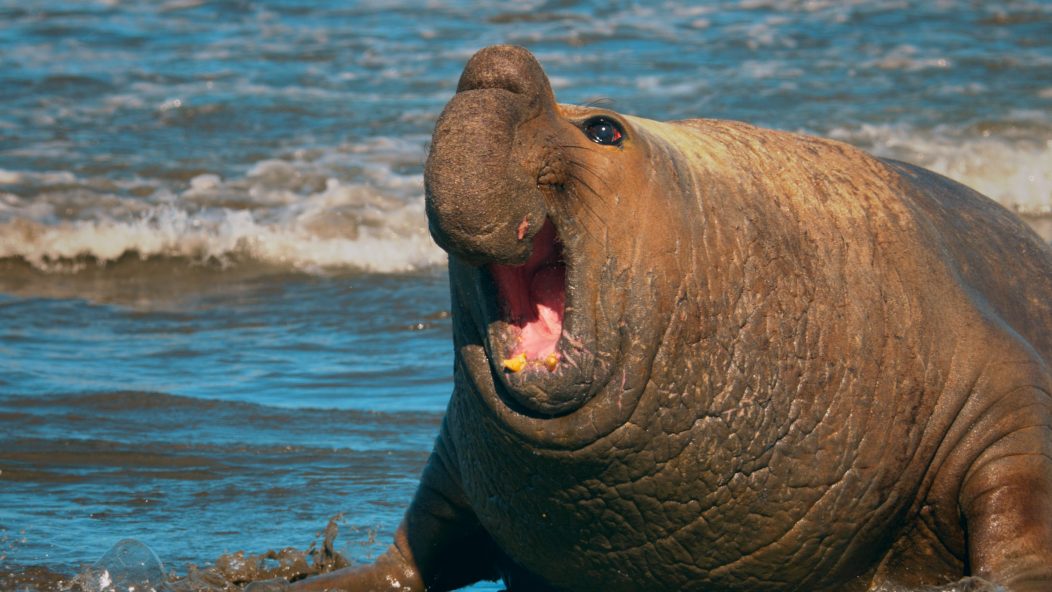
(541,333)
(533,296)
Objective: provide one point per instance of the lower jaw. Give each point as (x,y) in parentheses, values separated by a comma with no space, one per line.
(545,383)
(565,410)
(539,398)
(530,358)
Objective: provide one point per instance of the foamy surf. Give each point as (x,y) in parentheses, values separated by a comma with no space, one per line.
(350,209)
(288,213)
(223,238)
(306,242)
(1015,172)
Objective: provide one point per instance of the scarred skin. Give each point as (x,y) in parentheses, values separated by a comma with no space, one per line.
(784,365)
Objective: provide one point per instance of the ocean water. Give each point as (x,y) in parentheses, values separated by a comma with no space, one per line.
(222,320)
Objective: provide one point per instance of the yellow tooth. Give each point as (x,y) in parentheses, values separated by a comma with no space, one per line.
(516,363)
(551,362)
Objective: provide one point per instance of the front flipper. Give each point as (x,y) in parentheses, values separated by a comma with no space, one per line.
(440,544)
(1007,499)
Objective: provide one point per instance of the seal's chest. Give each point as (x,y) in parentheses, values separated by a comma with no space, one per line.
(630,518)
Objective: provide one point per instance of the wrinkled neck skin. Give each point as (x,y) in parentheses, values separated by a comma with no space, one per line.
(694,363)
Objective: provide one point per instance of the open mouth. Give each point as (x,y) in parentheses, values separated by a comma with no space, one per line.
(532,299)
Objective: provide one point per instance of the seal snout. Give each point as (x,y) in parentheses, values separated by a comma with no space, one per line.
(506,67)
(483,201)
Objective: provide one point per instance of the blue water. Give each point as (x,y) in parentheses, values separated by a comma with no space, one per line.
(222,320)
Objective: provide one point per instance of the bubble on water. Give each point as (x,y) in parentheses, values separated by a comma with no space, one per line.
(129,566)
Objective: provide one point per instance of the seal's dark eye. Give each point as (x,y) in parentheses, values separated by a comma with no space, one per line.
(604,131)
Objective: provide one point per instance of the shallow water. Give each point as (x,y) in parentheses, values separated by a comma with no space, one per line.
(221,318)
(284,416)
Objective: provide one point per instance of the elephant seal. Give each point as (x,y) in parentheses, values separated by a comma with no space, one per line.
(701,355)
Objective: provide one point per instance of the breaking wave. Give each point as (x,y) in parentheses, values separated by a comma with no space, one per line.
(361,208)
(299,213)
(1015,172)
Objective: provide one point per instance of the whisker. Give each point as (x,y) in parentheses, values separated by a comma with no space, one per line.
(566,207)
(580,180)
(585,203)
(584,167)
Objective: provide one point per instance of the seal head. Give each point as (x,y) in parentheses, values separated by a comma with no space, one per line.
(521,192)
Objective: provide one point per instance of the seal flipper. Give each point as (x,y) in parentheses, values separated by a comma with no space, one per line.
(1006,498)
(450,546)
(440,544)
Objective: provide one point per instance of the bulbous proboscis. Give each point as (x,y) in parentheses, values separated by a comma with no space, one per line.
(478,192)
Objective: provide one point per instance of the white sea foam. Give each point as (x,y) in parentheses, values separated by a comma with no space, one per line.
(222,236)
(1015,172)
(321,210)
(360,207)
(908,57)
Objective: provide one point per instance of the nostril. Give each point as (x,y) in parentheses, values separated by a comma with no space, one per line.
(482,201)
(506,67)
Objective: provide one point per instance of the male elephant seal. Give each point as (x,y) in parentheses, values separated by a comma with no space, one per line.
(700,355)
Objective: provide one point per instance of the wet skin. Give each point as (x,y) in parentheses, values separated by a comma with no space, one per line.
(700,355)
